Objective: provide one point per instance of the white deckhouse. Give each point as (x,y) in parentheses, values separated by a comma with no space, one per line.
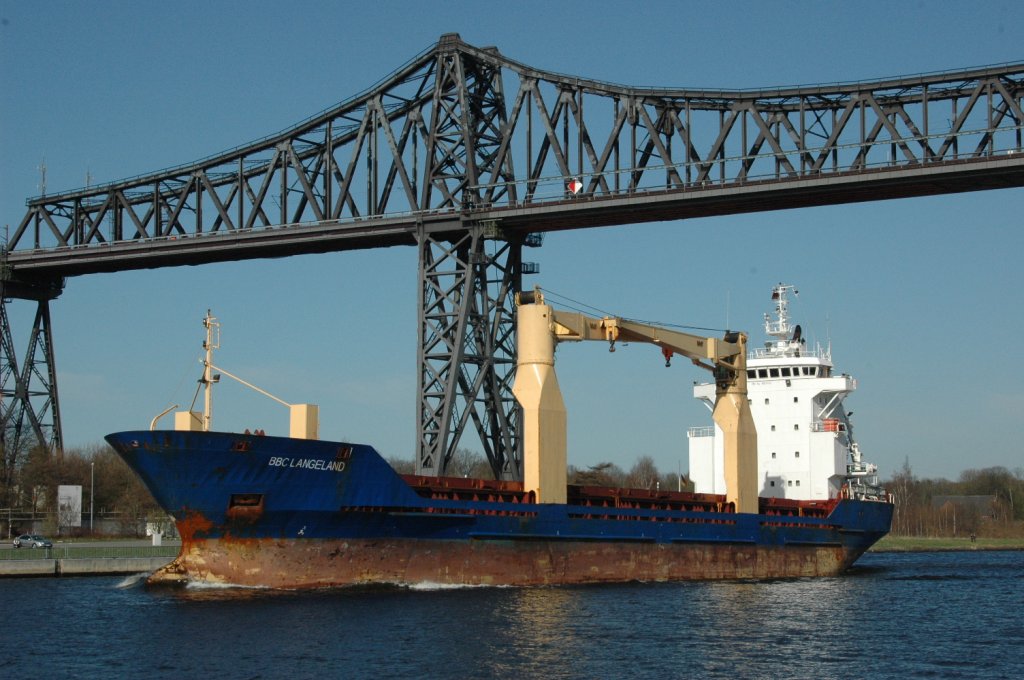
(805,445)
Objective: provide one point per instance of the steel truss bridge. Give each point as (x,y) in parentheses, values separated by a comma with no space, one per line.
(469,156)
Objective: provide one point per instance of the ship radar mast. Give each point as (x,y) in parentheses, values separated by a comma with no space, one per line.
(779,327)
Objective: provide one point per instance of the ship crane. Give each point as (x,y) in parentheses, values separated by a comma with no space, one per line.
(541,328)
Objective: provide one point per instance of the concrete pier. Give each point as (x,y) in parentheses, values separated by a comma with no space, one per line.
(81,567)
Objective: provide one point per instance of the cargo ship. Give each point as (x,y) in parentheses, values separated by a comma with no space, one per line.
(297,512)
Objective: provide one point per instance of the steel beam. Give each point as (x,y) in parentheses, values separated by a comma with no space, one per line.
(29,407)
(467,351)
(462,128)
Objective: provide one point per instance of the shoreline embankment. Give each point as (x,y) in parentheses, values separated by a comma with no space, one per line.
(81,567)
(80,558)
(945,544)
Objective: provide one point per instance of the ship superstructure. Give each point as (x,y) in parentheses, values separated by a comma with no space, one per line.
(806,449)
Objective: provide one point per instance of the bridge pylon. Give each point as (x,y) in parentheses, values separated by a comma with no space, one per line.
(468,281)
(29,407)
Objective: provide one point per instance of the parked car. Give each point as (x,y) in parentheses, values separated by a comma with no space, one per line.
(32,541)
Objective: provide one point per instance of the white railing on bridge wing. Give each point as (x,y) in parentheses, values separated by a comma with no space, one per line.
(826,425)
(833,425)
(772,353)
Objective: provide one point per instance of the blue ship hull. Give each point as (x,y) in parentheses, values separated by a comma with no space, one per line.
(290,513)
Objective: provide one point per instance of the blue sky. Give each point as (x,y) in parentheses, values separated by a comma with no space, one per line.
(920,297)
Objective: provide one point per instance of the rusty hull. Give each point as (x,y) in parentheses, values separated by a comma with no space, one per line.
(283,513)
(310,563)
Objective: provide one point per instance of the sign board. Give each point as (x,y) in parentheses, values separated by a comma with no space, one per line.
(69,505)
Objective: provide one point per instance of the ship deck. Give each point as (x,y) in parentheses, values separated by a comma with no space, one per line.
(497,491)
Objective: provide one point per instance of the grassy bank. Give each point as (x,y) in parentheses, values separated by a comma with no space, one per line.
(916,543)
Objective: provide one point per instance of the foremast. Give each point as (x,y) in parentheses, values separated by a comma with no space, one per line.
(211,343)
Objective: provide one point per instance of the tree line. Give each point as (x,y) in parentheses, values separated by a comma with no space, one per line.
(30,479)
(923,509)
(643,474)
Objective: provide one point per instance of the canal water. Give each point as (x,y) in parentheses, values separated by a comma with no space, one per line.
(913,615)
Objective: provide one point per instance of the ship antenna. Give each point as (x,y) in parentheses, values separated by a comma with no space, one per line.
(779,327)
(211,343)
(727,297)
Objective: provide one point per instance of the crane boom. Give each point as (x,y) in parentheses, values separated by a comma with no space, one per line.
(544,440)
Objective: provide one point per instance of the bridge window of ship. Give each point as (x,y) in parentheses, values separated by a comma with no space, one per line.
(762,373)
(773,372)
(751,373)
(785,372)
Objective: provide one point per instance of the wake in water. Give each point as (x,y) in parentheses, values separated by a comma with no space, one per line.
(206,585)
(430,586)
(132,580)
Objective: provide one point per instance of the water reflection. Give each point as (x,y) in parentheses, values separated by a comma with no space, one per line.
(917,615)
(535,626)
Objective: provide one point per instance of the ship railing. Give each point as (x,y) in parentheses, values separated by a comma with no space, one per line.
(59,552)
(773,353)
(828,425)
(704,431)
(868,492)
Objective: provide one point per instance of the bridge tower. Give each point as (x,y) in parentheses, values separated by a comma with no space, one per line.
(29,407)
(468,278)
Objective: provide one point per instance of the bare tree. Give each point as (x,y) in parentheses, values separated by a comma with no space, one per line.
(467,463)
(673,481)
(644,474)
(403,466)
(602,474)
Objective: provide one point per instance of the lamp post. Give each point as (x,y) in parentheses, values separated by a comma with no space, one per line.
(92,491)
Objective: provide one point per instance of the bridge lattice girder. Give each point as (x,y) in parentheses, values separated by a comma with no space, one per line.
(463,146)
(29,407)
(441,137)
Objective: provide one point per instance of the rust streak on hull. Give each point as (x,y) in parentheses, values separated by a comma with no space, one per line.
(338,562)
